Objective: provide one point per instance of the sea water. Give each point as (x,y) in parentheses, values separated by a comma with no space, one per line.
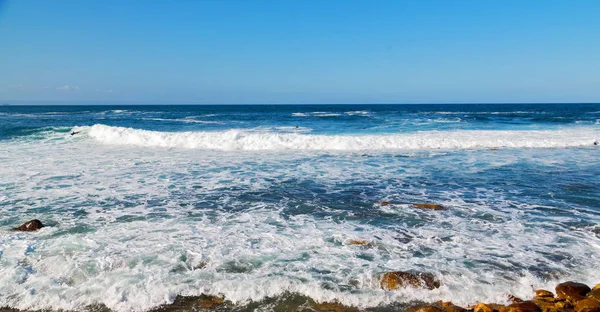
(145,203)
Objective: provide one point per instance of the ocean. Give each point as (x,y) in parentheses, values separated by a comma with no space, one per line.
(258,204)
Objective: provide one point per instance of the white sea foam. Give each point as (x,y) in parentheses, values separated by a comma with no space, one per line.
(359,113)
(263,141)
(134,227)
(325,114)
(492,113)
(317,114)
(186,120)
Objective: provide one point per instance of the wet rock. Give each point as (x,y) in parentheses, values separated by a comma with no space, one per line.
(451,307)
(587,305)
(483,307)
(493,149)
(97,307)
(542,293)
(384,203)
(333,307)
(191,303)
(572,291)
(547,304)
(525,306)
(563,305)
(200,266)
(427,308)
(514,299)
(207,302)
(399,279)
(357,242)
(30,226)
(429,206)
(594,294)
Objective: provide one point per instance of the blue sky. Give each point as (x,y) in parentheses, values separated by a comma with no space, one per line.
(293,51)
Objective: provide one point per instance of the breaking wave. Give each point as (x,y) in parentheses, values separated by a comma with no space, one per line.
(243,140)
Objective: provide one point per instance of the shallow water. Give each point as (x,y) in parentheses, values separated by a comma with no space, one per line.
(150,202)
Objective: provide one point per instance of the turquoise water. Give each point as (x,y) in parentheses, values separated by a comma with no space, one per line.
(247,202)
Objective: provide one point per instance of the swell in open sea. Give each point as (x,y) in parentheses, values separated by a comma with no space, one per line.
(272,208)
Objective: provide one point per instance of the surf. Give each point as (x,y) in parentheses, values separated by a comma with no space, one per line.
(248,140)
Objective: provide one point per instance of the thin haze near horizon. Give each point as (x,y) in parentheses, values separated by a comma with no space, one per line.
(270,52)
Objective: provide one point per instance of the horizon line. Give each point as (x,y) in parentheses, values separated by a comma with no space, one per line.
(76,103)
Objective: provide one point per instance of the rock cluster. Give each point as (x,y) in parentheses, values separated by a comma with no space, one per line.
(570,297)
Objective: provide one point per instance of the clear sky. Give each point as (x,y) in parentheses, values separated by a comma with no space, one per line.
(300,51)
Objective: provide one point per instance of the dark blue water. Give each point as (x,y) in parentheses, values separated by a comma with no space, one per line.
(321,119)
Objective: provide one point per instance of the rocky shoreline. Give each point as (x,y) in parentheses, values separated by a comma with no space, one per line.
(569,297)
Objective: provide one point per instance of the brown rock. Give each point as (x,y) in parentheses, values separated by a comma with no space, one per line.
(572,291)
(429,206)
(207,302)
(357,242)
(190,303)
(384,203)
(450,307)
(596,287)
(563,305)
(587,305)
(30,226)
(399,279)
(482,307)
(542,293)
(514,299)
(547,304)
(427,309)
(525,306)
(594,294)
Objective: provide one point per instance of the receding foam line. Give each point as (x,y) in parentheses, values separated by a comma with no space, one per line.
(236,139)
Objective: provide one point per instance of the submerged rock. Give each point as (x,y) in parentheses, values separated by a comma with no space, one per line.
(587,305)
(399,279)
(429,206)
(572,291)
(332,307)
(30,226)
(358,242)
(191,303)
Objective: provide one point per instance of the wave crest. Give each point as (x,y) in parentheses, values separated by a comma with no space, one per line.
(241,140)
